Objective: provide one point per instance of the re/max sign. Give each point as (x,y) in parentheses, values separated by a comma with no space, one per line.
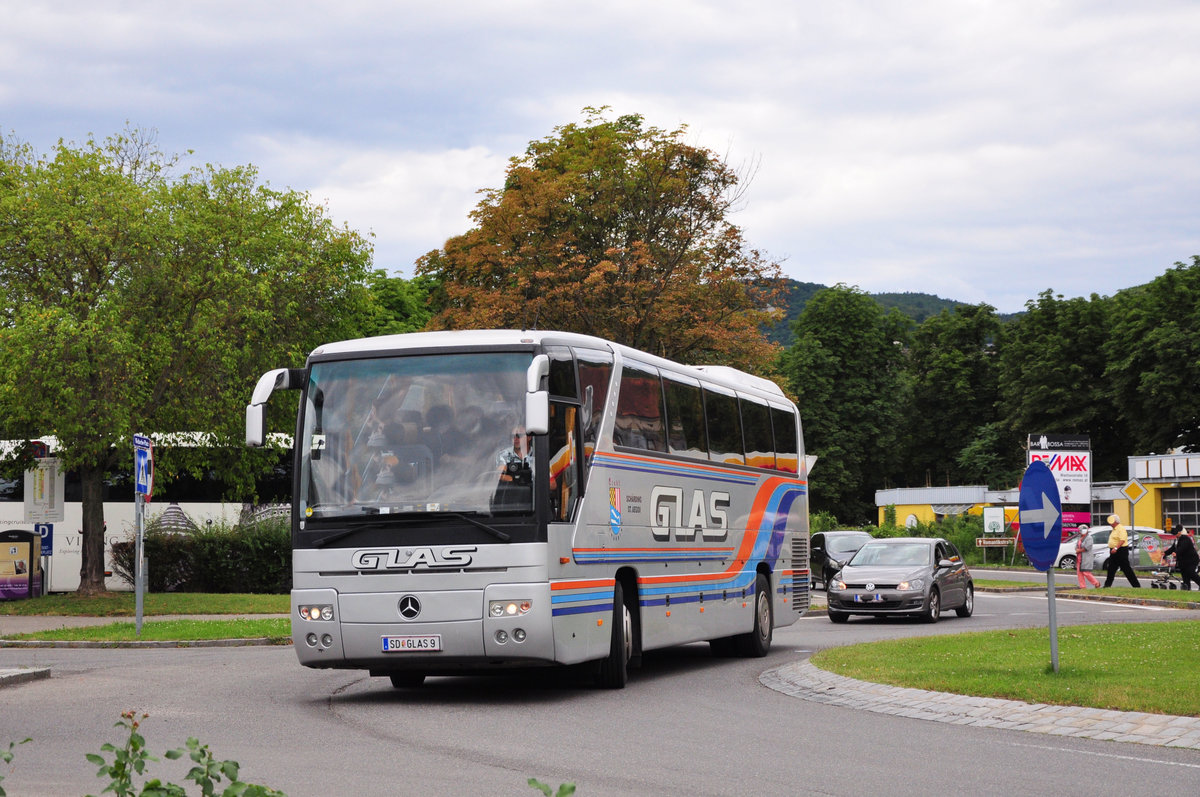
(1062,463)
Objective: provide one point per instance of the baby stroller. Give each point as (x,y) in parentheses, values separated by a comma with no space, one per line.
(1166,579)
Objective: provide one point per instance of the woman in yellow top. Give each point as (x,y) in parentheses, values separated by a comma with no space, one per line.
(1118,554)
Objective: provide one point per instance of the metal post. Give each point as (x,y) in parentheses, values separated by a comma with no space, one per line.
(1053,619)
(139,562)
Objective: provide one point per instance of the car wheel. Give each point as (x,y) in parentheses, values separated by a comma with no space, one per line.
(613,670)
(1067,562)
(407,680)
(838,617)
(933,611)
(757,643)
(968,605)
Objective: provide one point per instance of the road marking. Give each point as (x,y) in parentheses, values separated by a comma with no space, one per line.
(1105,755)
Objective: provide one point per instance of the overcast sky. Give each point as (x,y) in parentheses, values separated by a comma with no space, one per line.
(981,151)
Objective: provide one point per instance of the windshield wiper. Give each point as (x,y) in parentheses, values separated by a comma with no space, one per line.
(397,519)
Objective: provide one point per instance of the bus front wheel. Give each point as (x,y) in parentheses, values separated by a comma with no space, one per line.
(613,670)
(757,643)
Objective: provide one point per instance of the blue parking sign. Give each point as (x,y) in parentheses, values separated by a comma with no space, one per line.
(46,532)
(143,465)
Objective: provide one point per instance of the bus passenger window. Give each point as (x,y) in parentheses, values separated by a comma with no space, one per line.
(685,419)
(724,427)
(787,453)
(640,411)
(756,424)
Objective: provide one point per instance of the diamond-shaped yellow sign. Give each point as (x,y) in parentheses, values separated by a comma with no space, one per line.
(1134,491)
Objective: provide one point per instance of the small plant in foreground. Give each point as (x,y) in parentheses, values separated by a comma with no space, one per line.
(133,757)
(6,757)
(564,790)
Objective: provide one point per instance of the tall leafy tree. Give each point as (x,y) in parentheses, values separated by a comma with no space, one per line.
(132,302)
(846,371)
(1153,355)
(615,229)
(1052,377)
(953,379)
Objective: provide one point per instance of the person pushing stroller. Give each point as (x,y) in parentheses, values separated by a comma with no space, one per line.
(1186,557)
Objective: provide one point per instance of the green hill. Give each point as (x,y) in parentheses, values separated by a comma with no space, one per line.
(917,306)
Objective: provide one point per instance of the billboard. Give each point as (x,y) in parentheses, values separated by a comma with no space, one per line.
(1069,458)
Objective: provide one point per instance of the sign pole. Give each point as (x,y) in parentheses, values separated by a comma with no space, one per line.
(139,567)
(1053,620)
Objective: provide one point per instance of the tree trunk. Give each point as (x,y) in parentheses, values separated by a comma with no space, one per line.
(91,569)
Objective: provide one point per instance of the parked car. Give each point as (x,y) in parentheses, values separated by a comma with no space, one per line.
(1147,544)
(829,550)
(915,576)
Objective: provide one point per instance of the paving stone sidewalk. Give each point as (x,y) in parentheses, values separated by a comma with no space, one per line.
(804,680)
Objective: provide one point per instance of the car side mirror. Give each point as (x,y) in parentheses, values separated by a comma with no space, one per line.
(946,563)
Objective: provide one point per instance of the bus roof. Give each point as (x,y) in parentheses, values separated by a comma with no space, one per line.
(391,344)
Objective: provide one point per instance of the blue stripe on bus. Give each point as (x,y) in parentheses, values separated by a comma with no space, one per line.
(582,596)
(639,465)
(589,609)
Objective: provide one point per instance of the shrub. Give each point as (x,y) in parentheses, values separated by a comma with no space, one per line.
(254,556)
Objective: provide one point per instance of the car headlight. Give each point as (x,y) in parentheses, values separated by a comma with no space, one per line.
(837,584)
(912,584)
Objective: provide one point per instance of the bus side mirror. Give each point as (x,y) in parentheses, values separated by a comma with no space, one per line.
(256,410)
(537,401)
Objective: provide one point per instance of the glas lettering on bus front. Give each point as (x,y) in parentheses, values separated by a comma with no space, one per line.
(469,500)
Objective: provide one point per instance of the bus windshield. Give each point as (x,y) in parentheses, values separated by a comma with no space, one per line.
(416,434)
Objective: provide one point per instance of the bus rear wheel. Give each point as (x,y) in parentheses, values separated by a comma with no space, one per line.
(613,670)
(757,643)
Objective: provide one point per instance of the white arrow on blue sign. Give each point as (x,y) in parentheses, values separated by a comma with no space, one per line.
(143,465)
(1040,515)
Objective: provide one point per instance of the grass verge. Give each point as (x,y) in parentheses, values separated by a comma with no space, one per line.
(122,604)
(277,630)
(1125,666)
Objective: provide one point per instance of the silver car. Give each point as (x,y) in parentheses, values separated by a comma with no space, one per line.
(913,576)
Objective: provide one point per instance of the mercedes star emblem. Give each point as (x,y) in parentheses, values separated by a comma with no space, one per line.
(409,607)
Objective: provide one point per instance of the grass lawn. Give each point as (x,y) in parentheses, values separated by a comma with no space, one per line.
(1123,666)
(278,630)
(122,604)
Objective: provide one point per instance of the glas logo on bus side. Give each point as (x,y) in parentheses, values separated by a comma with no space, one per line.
(708,517)
(413,558)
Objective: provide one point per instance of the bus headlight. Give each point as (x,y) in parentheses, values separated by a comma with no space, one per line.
(317,612)
(514,608)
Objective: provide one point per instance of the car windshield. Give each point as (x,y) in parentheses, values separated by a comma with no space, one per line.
(845,544)
(893,553)
(414,434)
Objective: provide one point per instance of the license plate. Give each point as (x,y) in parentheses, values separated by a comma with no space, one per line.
(876,598)
(430,643)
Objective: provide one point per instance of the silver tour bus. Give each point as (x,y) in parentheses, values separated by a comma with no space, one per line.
(472,500)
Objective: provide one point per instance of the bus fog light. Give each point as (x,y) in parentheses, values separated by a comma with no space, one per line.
(311,639)
(518,634)
(501,636)
(318,612)
(513,608)
(326,640)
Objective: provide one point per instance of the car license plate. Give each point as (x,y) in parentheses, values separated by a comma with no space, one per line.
(429,643)
(876,598)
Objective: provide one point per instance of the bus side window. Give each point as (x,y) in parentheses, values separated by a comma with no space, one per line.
(756,424)
(639,421)
(595,371)
(787,451)
(564,460)
(685,418)
(724,427)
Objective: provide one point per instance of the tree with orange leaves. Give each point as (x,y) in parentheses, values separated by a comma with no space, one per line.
(618,230)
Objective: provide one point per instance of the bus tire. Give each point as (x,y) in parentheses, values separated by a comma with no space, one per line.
(407,680)
(613,670)
(757,643)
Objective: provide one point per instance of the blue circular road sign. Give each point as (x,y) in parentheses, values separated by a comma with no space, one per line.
(1040,515)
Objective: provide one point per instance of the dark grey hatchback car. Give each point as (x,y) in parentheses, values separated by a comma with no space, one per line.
(830,550)
(914,576)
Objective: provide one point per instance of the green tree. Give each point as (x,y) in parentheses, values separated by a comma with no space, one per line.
(397,305)
(845,370)
(952,373)
(619,230)
(1153,355)
(131,302)
(1052,368)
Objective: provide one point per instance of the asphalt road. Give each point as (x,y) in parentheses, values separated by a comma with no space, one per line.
(687,724)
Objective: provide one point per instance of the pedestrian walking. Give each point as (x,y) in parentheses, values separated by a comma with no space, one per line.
(1186,557)
(1084,560)
(1118,554)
